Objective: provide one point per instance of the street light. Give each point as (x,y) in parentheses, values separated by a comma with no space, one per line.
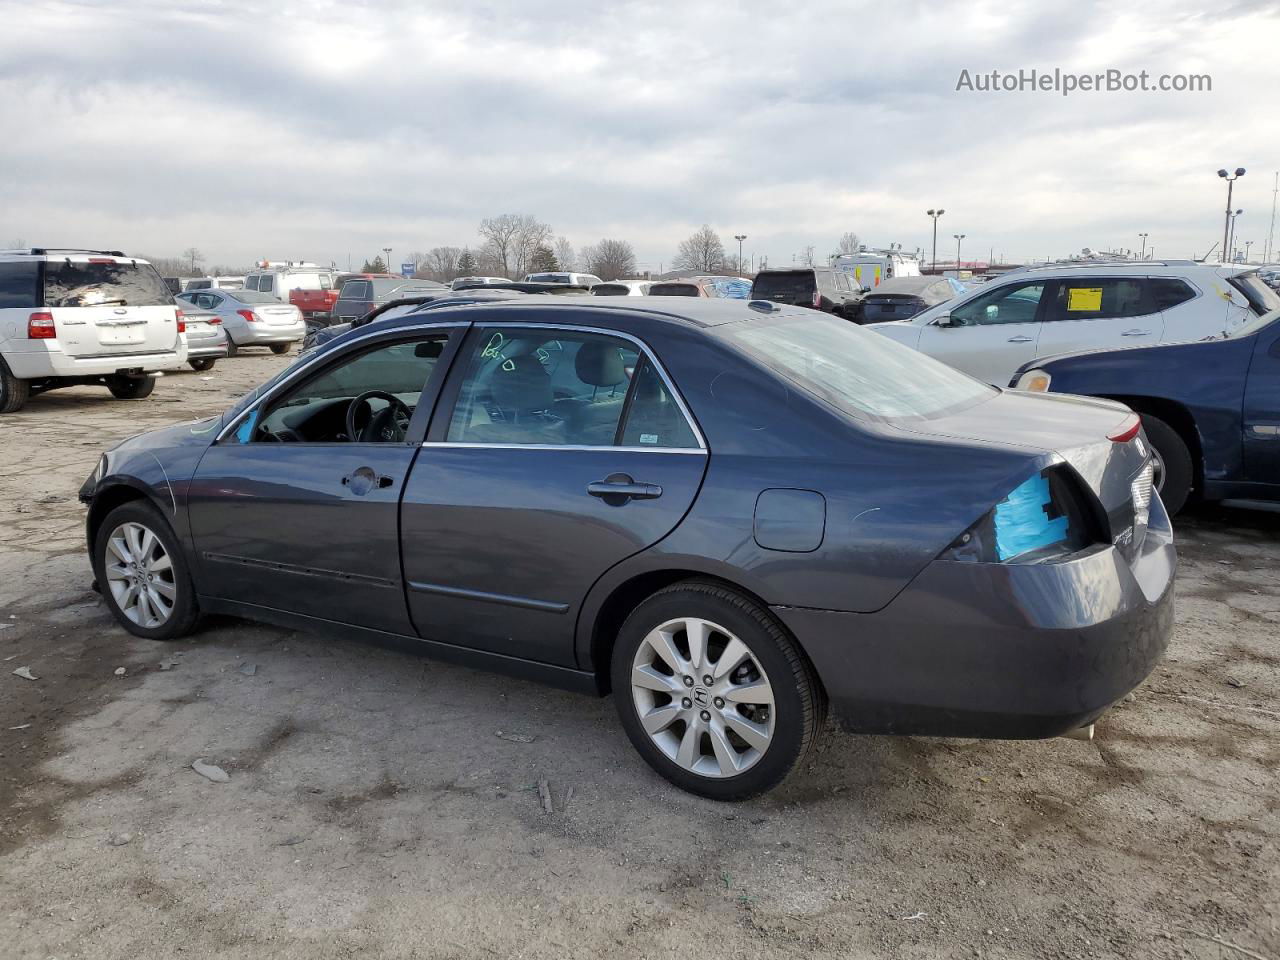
(1143,255)
(1231,232)
(935,214)
(1247,245)
(739,237)
(959,237)
(1226,224)
(387,251)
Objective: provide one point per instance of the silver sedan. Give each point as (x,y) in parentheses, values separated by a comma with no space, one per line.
(251,318)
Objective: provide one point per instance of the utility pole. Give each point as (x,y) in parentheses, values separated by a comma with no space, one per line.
(958,238)
(387,262)
(1231,234)
(739,237)
(1226,224)
(1266,256)
(935,214)
(1143,255)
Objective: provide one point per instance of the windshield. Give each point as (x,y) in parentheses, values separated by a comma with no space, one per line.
(252,296)
(68,284)
(858,372)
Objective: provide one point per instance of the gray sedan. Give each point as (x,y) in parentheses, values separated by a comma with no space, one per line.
(206,340)
(250,318)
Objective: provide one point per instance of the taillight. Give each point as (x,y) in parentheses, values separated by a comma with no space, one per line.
(40,326)
(212,320)
(248,315)
(1127,430)
(182,324)
(817,299)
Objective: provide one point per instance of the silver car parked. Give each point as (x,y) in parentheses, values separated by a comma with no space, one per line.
(206,340)
(251,318)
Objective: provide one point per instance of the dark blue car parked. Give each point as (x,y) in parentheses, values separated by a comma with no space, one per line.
(1210,408)
(729,514)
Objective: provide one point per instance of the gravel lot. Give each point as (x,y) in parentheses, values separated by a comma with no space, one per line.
(385,805)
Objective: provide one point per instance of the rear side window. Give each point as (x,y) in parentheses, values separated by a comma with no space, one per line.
(251,283)
(1167,292)
(68,284)
(1088,298)
(18,285)
(355,290)
(1262,299)
(792,287)
(654,419)
(266,282)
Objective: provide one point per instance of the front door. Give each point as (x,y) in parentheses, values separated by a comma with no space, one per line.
(992,335)
(564,453)
(297,509)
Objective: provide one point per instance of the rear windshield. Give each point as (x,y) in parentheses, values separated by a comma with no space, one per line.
(611,290)
(69,284)
(791,286)
(854,370)
(674,290)
(880,309)
(252,296)
(549,278)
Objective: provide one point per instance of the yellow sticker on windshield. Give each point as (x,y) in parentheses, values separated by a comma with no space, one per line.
(1084,298)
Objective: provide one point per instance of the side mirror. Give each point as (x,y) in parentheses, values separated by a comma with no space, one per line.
(865,288)
(946,321)
(429,350)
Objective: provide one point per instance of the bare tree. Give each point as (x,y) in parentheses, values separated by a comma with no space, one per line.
(612,260)
(849,242)
(438,263)
(703,252)
(193,256)
(17,244)
(564,253)
(511,239)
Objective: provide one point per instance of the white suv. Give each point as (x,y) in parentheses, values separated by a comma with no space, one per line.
(1042,311)
(71,317)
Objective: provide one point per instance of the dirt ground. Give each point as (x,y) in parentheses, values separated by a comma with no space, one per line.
(383,805)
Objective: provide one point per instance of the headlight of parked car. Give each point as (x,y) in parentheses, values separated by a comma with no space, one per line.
(1035,380)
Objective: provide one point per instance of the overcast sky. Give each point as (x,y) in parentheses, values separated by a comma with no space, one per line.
(330,130)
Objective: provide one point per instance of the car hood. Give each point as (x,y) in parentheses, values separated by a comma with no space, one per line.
(1074,429)
(198,433)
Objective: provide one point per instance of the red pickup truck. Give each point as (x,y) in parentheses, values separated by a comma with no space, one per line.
(316,305)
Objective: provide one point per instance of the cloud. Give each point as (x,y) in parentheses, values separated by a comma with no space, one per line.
(322,130)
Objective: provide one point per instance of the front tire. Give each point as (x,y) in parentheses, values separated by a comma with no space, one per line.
(13,390)
(1175,472)
(280,348)
(713,693)
(131,388)
(143,573)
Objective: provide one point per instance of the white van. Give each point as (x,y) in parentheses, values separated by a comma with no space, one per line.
(869,268)
(281,278)
(74,317)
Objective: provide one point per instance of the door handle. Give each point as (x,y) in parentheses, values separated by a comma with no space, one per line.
(1020,339)
(363,479)
(1135,333)
(618,488)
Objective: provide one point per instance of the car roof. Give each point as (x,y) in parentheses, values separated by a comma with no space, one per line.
(1125,268)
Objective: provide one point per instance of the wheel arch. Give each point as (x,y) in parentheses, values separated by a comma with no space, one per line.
(111,496)
(1177,416)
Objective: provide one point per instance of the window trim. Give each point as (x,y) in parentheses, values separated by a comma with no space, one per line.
(448,400)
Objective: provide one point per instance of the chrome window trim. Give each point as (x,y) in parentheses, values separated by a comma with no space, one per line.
(621,335)
(304,366)
(696,451)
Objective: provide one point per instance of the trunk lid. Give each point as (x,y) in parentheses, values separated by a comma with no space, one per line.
(106,306)
(284,314)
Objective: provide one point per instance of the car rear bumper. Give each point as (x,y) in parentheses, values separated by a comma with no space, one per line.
(1011,651)
(46,360)
(257,333)
(197,350)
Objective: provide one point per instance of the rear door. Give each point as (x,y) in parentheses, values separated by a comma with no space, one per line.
(105,306)
(991,335)
(1099,313)
(561,453)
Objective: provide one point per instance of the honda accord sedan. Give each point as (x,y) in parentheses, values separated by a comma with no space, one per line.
(732,515)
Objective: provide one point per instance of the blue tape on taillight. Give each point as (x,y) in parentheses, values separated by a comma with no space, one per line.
(1021,521)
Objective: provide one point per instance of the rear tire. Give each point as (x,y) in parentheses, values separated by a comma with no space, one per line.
(154,597)
(760,715)
(13,391)
(1175,472)
(202,363)
(131,388)
(280,348)
(232,349)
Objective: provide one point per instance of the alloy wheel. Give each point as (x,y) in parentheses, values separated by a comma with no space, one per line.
(703,697)
(140,575)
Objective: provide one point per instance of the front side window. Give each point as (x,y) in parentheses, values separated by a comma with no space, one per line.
(1096,299)
(1015,303)
(368,398)
(855,370)
(528,386)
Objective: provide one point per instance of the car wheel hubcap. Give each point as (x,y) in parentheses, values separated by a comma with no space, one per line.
(140,575)
(719,728)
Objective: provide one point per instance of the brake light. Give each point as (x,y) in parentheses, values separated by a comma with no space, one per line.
(248,315)
(102,260)
(212,320)
(1127,430)
(40,326)
(182,324)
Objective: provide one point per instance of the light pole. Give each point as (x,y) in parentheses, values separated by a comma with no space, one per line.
(935,214)
(387,251)
(1247,245)
(959,237)
(739,237)
(1226,225)
(1143,255)
(1231,233)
